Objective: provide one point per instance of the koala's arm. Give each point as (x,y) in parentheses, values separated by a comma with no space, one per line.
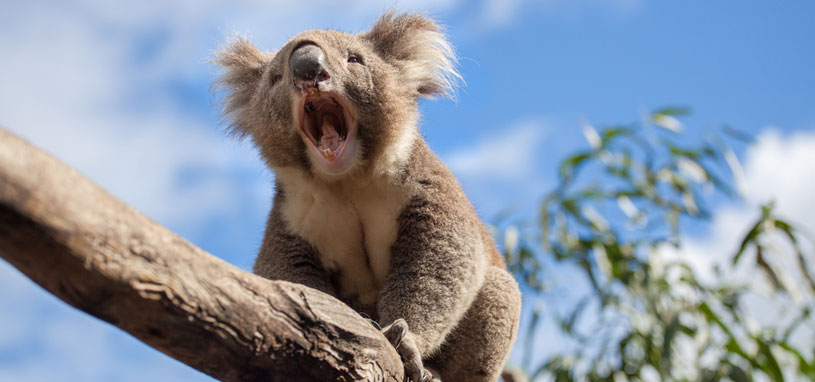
(437,266)
(288,257)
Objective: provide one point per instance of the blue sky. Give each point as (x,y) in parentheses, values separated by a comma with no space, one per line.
(121,92)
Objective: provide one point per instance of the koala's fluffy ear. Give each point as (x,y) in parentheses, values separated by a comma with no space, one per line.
(244,65)
(416,44)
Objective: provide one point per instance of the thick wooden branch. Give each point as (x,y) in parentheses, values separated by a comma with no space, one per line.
(105,258)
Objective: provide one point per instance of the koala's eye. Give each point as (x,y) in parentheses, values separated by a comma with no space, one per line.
(276,78)
(354,59)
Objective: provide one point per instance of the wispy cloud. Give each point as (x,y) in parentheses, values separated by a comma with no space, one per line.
(69,93)
(506,154)
(497,14)
(503,171)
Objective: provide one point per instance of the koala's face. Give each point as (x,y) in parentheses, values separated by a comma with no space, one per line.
(337,91)
(331,102)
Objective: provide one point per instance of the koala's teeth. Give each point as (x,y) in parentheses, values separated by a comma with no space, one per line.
(328,153)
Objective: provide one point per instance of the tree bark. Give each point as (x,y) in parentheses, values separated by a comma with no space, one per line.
(105,258)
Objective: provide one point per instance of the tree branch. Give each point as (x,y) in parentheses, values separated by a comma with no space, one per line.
(105,258)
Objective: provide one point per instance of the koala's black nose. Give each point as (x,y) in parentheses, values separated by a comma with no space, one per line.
(308,66)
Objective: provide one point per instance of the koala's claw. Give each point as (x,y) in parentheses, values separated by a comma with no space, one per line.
(397,335)
(371,320)
(395,332)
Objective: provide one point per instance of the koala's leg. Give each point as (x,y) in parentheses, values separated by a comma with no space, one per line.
(478,347)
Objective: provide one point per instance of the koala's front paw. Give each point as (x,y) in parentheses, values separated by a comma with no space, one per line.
(402,340)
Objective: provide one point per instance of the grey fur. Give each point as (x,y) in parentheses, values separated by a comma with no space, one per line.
(392,234)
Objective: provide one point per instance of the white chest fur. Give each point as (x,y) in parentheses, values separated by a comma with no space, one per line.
(352,227)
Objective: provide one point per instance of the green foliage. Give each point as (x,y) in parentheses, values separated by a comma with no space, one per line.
(617,211)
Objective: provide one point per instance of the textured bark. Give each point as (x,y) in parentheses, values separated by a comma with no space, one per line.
(105,258)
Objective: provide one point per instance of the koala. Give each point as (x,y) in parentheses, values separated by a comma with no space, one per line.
(363,210)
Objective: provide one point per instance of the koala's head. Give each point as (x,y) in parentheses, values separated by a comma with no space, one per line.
(332,103)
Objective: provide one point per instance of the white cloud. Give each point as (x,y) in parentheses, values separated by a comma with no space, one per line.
(783,169)
(776,167)
(507,154)
(66,92)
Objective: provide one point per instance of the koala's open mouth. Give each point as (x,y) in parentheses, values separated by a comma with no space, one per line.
(328,125)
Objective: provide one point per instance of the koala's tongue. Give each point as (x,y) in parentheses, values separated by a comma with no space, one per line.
(330,139)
